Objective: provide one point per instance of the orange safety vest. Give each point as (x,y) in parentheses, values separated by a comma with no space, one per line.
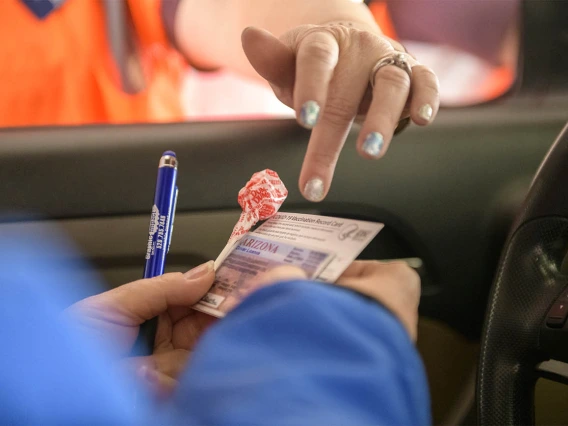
(380,12)
(60,71)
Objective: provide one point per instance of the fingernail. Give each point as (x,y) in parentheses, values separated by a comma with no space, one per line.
(309,115)
(314,190)
(199,271)
(425,112)
(373,144)
(142,371)
(152,376)
(148,374)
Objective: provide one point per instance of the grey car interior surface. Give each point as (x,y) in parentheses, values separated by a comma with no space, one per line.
(447,194)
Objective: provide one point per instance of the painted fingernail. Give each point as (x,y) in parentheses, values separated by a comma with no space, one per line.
(199,271)
(309,115)
(314,190)
(373,144)
(425,112)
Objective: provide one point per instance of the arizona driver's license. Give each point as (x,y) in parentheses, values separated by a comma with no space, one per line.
(322,246)
(241,270)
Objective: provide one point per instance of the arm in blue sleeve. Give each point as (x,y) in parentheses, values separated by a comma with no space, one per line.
(305,353)
(50,374)
(294,353)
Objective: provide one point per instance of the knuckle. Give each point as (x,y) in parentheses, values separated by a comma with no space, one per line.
(408,277)
(340,32)
(396,45)
(428,79)
(324,159)
(367,40)
(429,75)
(395,77)
(398,267)
(339,111)
(176,275)
(320,50)
(170,276)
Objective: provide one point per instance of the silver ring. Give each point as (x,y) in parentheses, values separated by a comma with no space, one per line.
(398,59)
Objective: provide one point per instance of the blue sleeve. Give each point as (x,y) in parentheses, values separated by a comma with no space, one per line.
(294,353)
(304,353)
(49,373)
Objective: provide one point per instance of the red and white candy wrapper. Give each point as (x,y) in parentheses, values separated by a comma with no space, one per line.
(260,199)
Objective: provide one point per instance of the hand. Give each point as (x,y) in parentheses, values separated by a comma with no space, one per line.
(118,313)
(395,285)
(323,72)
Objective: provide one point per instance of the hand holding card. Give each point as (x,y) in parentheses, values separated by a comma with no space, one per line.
(243,270)
(323,247)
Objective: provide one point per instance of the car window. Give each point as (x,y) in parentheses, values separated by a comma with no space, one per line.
(132,72)
(473,66)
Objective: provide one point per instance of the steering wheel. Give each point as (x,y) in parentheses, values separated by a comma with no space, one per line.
(525,322)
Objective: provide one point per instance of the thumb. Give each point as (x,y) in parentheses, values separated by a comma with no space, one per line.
(142,300)
(272,59)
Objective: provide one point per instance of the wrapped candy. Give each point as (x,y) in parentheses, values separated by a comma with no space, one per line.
(260,199)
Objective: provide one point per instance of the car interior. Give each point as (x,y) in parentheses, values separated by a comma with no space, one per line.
(457,199)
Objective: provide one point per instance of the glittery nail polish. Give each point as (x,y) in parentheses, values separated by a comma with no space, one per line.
(373,144)
(309,115)
(314,190)
(425,112)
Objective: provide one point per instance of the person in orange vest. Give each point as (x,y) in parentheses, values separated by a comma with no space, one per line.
(72,62)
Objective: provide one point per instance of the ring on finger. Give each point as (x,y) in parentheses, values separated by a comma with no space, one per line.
(397,59)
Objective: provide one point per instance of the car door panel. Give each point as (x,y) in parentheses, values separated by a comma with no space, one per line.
(446,192)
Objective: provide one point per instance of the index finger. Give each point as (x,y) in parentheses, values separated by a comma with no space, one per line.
(329,136)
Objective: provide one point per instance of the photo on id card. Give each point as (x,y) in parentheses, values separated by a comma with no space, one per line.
(241,271)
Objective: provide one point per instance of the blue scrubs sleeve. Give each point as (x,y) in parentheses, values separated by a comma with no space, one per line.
(50,374)
(301,353)
(291,354)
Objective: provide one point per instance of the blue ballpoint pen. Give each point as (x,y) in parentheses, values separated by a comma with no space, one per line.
(159,235)
(162,216)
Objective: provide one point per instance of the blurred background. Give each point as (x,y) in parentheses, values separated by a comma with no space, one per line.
(115,61)
(473,46)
